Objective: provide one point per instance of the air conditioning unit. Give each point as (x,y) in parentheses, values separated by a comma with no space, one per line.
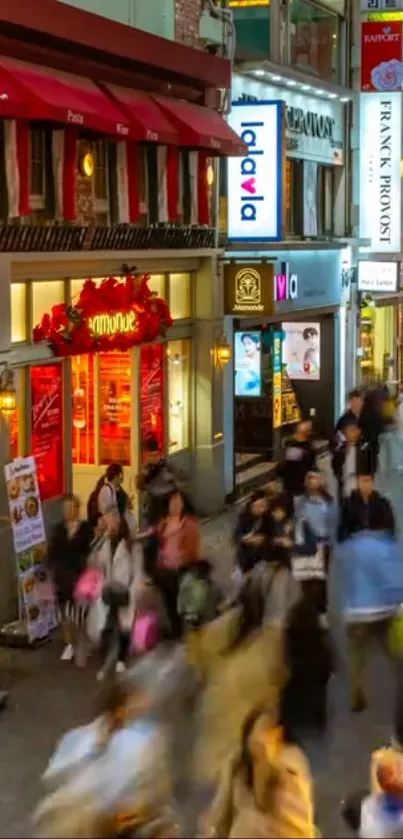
(211,31)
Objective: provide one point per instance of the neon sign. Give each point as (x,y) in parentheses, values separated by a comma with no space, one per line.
(111,324)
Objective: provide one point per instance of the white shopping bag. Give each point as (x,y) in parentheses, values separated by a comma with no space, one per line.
(309,567)
(96,619)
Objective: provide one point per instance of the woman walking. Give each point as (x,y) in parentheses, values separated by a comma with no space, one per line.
(68,551)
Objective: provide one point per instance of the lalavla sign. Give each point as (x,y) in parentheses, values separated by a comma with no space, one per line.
(314,127)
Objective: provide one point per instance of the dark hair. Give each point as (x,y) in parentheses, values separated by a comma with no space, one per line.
(188,509)
(355,394)
(250,336)
(70,496)
(113,471)
(309,332)
(151,444)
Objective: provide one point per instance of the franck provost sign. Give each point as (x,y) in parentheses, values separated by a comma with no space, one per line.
(255,182)
(380,139)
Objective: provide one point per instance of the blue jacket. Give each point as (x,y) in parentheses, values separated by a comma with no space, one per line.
(320,514)
(370,573)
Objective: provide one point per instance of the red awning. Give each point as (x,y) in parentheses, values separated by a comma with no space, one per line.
(61,97)
(201,128)
(148,123)
(14,103)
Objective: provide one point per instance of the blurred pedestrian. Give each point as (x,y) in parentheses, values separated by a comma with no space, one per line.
(366,508)
(350,417)
(68,550)
(350,457)
(316,511)
(252,532)
(372,422)
(105,493)
(370,573)
(265,787)
(298,459)
(157,481)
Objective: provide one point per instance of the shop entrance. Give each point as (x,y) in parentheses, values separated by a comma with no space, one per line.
(104,405)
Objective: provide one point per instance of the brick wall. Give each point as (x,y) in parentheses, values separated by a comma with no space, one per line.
(187,17)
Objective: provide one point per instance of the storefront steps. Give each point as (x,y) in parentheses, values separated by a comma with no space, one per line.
(252,471)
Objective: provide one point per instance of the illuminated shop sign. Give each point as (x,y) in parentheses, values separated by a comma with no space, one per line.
(111,324)
(378,276)
(285,285)
(380,180)
(255,182)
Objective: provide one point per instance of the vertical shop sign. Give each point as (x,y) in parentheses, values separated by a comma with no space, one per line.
(381,56)
(152,397)
(47,428)
(380,180)
(310,203)
(277,408)
(115,407)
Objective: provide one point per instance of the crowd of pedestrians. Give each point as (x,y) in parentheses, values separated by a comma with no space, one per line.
(253,663)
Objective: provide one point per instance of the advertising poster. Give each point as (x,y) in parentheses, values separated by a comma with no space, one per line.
(152,396)
(381,56)
(277,407)
(115,407)
(248,374)
(38,602)
(47,428)
(301,350)
(24,504)
(310,208)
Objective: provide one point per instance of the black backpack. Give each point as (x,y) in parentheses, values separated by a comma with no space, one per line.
(92,506)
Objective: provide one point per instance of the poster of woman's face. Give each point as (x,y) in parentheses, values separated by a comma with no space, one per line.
(248,376)
(301,350)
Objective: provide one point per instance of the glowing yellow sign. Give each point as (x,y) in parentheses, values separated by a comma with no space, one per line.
(381,16)
(111,324)
(247,4)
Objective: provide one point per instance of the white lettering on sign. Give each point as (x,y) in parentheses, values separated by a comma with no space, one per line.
(75,117)
(255,181)
(122,129)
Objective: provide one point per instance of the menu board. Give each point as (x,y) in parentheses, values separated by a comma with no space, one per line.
(47,428)
(115,407)
(38,602)
(82,384)
(152,397)
(24,503)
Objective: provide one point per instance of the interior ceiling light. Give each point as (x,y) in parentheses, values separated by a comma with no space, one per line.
(319,92)
(291,83)
(332,95)
(344,98)
(276,78)
(259,72)
(306,87)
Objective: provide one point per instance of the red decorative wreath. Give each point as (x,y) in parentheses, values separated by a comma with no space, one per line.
(68,331)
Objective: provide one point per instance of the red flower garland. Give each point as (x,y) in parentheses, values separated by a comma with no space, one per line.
(67,328)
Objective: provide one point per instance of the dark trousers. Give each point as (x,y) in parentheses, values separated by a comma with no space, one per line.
(110,632)
(167,582)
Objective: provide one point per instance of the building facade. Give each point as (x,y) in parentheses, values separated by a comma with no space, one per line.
(109,173)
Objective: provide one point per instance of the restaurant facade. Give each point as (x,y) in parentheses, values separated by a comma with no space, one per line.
(111,304)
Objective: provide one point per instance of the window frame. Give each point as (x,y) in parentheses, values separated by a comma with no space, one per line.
(339,74)
(101,205)
(185,423)
(37,199)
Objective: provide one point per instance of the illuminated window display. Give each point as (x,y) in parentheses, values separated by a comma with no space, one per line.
(178,395)
(18,312)
(180,296)
(45,295)
(115,407)
(82,383)
(16,420)
(47,428)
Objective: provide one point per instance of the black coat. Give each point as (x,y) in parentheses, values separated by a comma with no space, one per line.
(299,458)
(365,461)
(67,557)
(358,514)
(248,555)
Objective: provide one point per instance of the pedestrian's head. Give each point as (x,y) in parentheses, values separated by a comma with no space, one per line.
(114,474)
(313,481)
(278,511)
(304,429)
(111,519)
(152,449)
(355,401)
(273,485)
(352,432)
(177,504)
(365,483)
(71,508)
(258,503)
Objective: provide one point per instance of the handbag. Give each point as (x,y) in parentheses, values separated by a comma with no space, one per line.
(89,585)
(146,632)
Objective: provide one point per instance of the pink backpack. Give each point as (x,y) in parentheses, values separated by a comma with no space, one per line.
(146,632)
(89,585)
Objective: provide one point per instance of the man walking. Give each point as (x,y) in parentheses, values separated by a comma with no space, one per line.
(350,416)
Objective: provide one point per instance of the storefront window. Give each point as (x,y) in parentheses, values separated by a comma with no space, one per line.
(378,343)
(152,399)
(252,25)
(179,395)
(47,428)
(315,40)
(82,383)
(180,296)
(44,296)
(157,284)
(16,422)
(76,287)
(115,407)
(18,312)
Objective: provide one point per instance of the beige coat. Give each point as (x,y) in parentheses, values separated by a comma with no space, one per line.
(235,682)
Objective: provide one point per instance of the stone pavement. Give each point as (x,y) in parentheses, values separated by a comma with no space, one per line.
(49,697)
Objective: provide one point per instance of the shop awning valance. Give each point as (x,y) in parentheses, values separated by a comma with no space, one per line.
(201,128)
(61,97)
(148,123)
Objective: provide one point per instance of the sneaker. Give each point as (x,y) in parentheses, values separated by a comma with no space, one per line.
(120,667)
(68,653)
